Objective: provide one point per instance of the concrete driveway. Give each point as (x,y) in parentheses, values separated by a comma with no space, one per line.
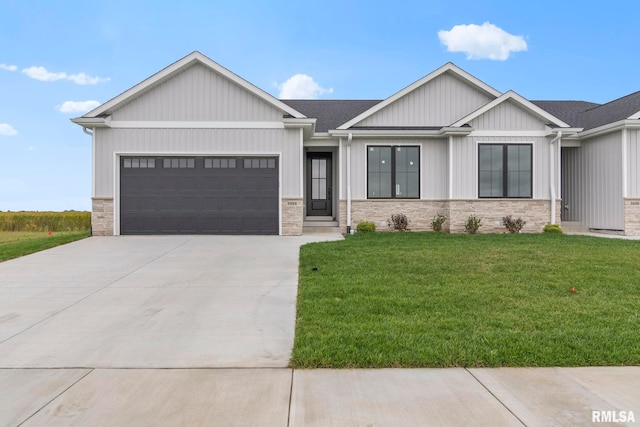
(152,302)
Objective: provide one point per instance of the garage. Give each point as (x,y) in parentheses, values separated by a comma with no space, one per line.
(199,195)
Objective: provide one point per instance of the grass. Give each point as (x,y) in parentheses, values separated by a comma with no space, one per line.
(14,244)
(441,300)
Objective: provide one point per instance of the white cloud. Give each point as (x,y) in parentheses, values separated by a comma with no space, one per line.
(301,86)
(7,130)
(77,106)
(484,41)
(41,73)
(8,67)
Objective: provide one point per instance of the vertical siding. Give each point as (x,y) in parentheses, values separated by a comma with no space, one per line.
(433,166)
(508,116)
(438,102)
(572,185)
(465,164)
(633,163)
(602,162)
(199,141)
(198,94)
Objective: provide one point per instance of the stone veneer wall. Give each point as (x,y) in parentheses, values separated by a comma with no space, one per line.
(102,216)
(632,217)
(420,213)
(292,216)
(535,212)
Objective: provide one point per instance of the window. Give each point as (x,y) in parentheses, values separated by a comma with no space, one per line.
(505,170)
(219,163)
(180,163)
(138,163)
(260,163)
(393,172)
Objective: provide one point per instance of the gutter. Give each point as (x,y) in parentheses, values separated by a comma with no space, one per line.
(552,183)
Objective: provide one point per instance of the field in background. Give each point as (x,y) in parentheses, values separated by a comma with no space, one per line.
(23,233)
(45,221)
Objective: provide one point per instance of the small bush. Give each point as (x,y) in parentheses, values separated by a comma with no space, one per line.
(366,227)
(513,225)
(399,222)
(437,221)
(552,229)
(473,224)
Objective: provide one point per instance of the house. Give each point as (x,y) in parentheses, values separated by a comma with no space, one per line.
(197,149)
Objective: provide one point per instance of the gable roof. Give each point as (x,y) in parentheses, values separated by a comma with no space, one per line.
(448,67)
(175,68)
(524,103)
(330,113)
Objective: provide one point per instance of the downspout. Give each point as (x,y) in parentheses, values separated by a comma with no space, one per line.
(93,166)
(349,182)
(552,183)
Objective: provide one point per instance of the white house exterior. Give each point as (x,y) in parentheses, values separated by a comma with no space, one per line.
(196,149)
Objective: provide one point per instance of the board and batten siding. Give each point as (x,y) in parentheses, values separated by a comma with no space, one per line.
(602,178)
(197,94)
(433,166)
(573,196)
(507,116)
(439,102)
(633,163)
(165,142)
(464,152)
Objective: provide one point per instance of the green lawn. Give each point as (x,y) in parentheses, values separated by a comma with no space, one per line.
(14,244)
(438,300)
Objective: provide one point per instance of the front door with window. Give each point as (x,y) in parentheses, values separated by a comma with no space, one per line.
(319,185)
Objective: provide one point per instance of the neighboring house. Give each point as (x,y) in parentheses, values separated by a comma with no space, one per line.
(197,149)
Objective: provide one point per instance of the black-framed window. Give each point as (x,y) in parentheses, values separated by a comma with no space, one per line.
(505,170)
(393,172)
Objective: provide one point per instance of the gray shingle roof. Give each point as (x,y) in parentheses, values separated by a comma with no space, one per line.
(330,113)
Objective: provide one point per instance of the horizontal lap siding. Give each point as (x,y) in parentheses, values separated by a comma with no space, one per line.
(198,142)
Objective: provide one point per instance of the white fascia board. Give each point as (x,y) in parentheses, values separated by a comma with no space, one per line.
(611,127)
(387,133)
(90,122)
(460,131)
(192,125)
(308,126)
(447,67)
(511,95)
(175,68)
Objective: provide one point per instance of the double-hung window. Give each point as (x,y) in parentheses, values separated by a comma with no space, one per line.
(393,172)
(505,170)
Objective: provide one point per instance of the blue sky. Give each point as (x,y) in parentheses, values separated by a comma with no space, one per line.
(60,58)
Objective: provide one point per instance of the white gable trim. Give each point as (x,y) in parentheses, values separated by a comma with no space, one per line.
(175,68)
(635,116)
(447,67)
(511,95)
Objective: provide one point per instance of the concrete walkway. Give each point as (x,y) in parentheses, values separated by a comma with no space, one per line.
(172,331)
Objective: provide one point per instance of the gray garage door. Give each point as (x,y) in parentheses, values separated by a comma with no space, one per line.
(198,195)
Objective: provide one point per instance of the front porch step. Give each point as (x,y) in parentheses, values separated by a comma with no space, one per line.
(320,225)
(570,227)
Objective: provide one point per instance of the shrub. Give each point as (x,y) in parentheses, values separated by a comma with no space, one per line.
(437,221)
(513,225)
(473,224)
(552,228)
(399,222)
(366,227)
